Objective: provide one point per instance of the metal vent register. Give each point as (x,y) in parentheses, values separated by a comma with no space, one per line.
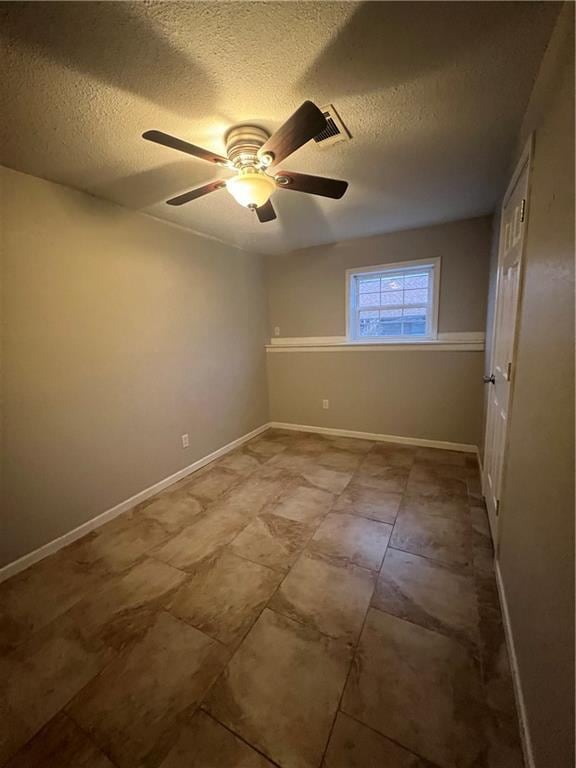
(335,130)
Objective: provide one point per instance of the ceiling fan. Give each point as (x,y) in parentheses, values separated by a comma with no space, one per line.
(253,153)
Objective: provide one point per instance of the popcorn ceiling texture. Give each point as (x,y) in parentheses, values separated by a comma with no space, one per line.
(433,95)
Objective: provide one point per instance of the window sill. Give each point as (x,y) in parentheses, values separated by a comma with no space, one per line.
(446,342)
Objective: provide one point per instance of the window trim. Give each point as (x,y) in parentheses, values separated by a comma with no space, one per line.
(434,263)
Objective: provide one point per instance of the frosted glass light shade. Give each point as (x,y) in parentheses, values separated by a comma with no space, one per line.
(251,188)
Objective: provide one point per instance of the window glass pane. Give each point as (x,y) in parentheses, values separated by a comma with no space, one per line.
(414,322)
(391,298)
(416,281)
(368,323)
(413,311)
(393,283)
(391,322)
(416,296)
(369,286)
(369,300)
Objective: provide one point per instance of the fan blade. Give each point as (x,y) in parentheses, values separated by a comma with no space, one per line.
(198,192)
(302,126)
(266,212)
(314,185)
(183,146)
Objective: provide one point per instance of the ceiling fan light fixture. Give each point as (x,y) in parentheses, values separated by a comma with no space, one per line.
(251,187)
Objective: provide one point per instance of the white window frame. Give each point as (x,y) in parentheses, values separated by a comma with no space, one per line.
(433,301)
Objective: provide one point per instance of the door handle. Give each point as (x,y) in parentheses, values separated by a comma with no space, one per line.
(489,379)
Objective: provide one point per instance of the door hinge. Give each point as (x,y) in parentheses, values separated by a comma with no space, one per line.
(497,507)
(522,210)
(508,371)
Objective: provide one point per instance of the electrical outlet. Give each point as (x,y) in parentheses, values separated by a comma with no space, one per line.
(276,331)
(325,404)
(185,441)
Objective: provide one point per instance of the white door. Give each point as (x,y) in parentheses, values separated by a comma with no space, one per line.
(500,380)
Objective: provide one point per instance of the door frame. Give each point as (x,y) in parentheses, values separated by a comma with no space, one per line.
(524,163)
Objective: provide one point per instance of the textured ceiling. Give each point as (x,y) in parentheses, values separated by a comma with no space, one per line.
(432,93)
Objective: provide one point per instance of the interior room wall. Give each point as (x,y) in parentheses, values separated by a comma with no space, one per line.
(306,288)
(120,334)
(536,529)
(431,394)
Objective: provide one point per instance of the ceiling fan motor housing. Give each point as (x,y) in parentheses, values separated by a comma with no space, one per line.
(243,143)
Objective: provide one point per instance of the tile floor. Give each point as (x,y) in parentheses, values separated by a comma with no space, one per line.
(304,602)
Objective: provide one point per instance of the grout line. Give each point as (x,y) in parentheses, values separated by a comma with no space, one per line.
(89,736)
(397,743)
(346,680)
(237,735)
(467,568)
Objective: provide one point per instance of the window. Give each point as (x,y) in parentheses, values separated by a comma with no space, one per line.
(394,301)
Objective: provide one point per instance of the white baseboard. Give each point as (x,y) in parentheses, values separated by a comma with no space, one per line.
(518,694)
(53,546)
(420,441)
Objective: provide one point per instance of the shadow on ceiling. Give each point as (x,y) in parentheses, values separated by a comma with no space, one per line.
(113,42)
(386,44)
(156,185)
(300,214)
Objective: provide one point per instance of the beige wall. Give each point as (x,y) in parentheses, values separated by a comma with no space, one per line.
(307,288)
(420,394)
(120,333)
(428,394)
(536,547)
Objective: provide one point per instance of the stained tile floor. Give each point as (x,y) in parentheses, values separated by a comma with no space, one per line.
(304,602)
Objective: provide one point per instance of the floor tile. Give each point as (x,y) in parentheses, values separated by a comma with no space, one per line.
(351,444)
(210,483)
(204,743)
(309,443)
(42,675)
(330,598)
(434,595)
(124,607)
(173,511)
(272,540)
(202,540)
(292,461)
(35,597)
(383,478)
(335,458)
(255,492)
(392,455)
(263,446)
(504,744)
(435,536)
(474,486)
(425,483)
(369,502)
(303,503)
(353,745)
(128,713)
(329,479)
(348,538)
(241,461)
(281,690)
(450,507)
(433,706)
(121,543)
(427,471)
(60,744)
(223,598)
(440,456)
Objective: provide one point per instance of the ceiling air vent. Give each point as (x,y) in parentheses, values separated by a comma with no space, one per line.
(335,130)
